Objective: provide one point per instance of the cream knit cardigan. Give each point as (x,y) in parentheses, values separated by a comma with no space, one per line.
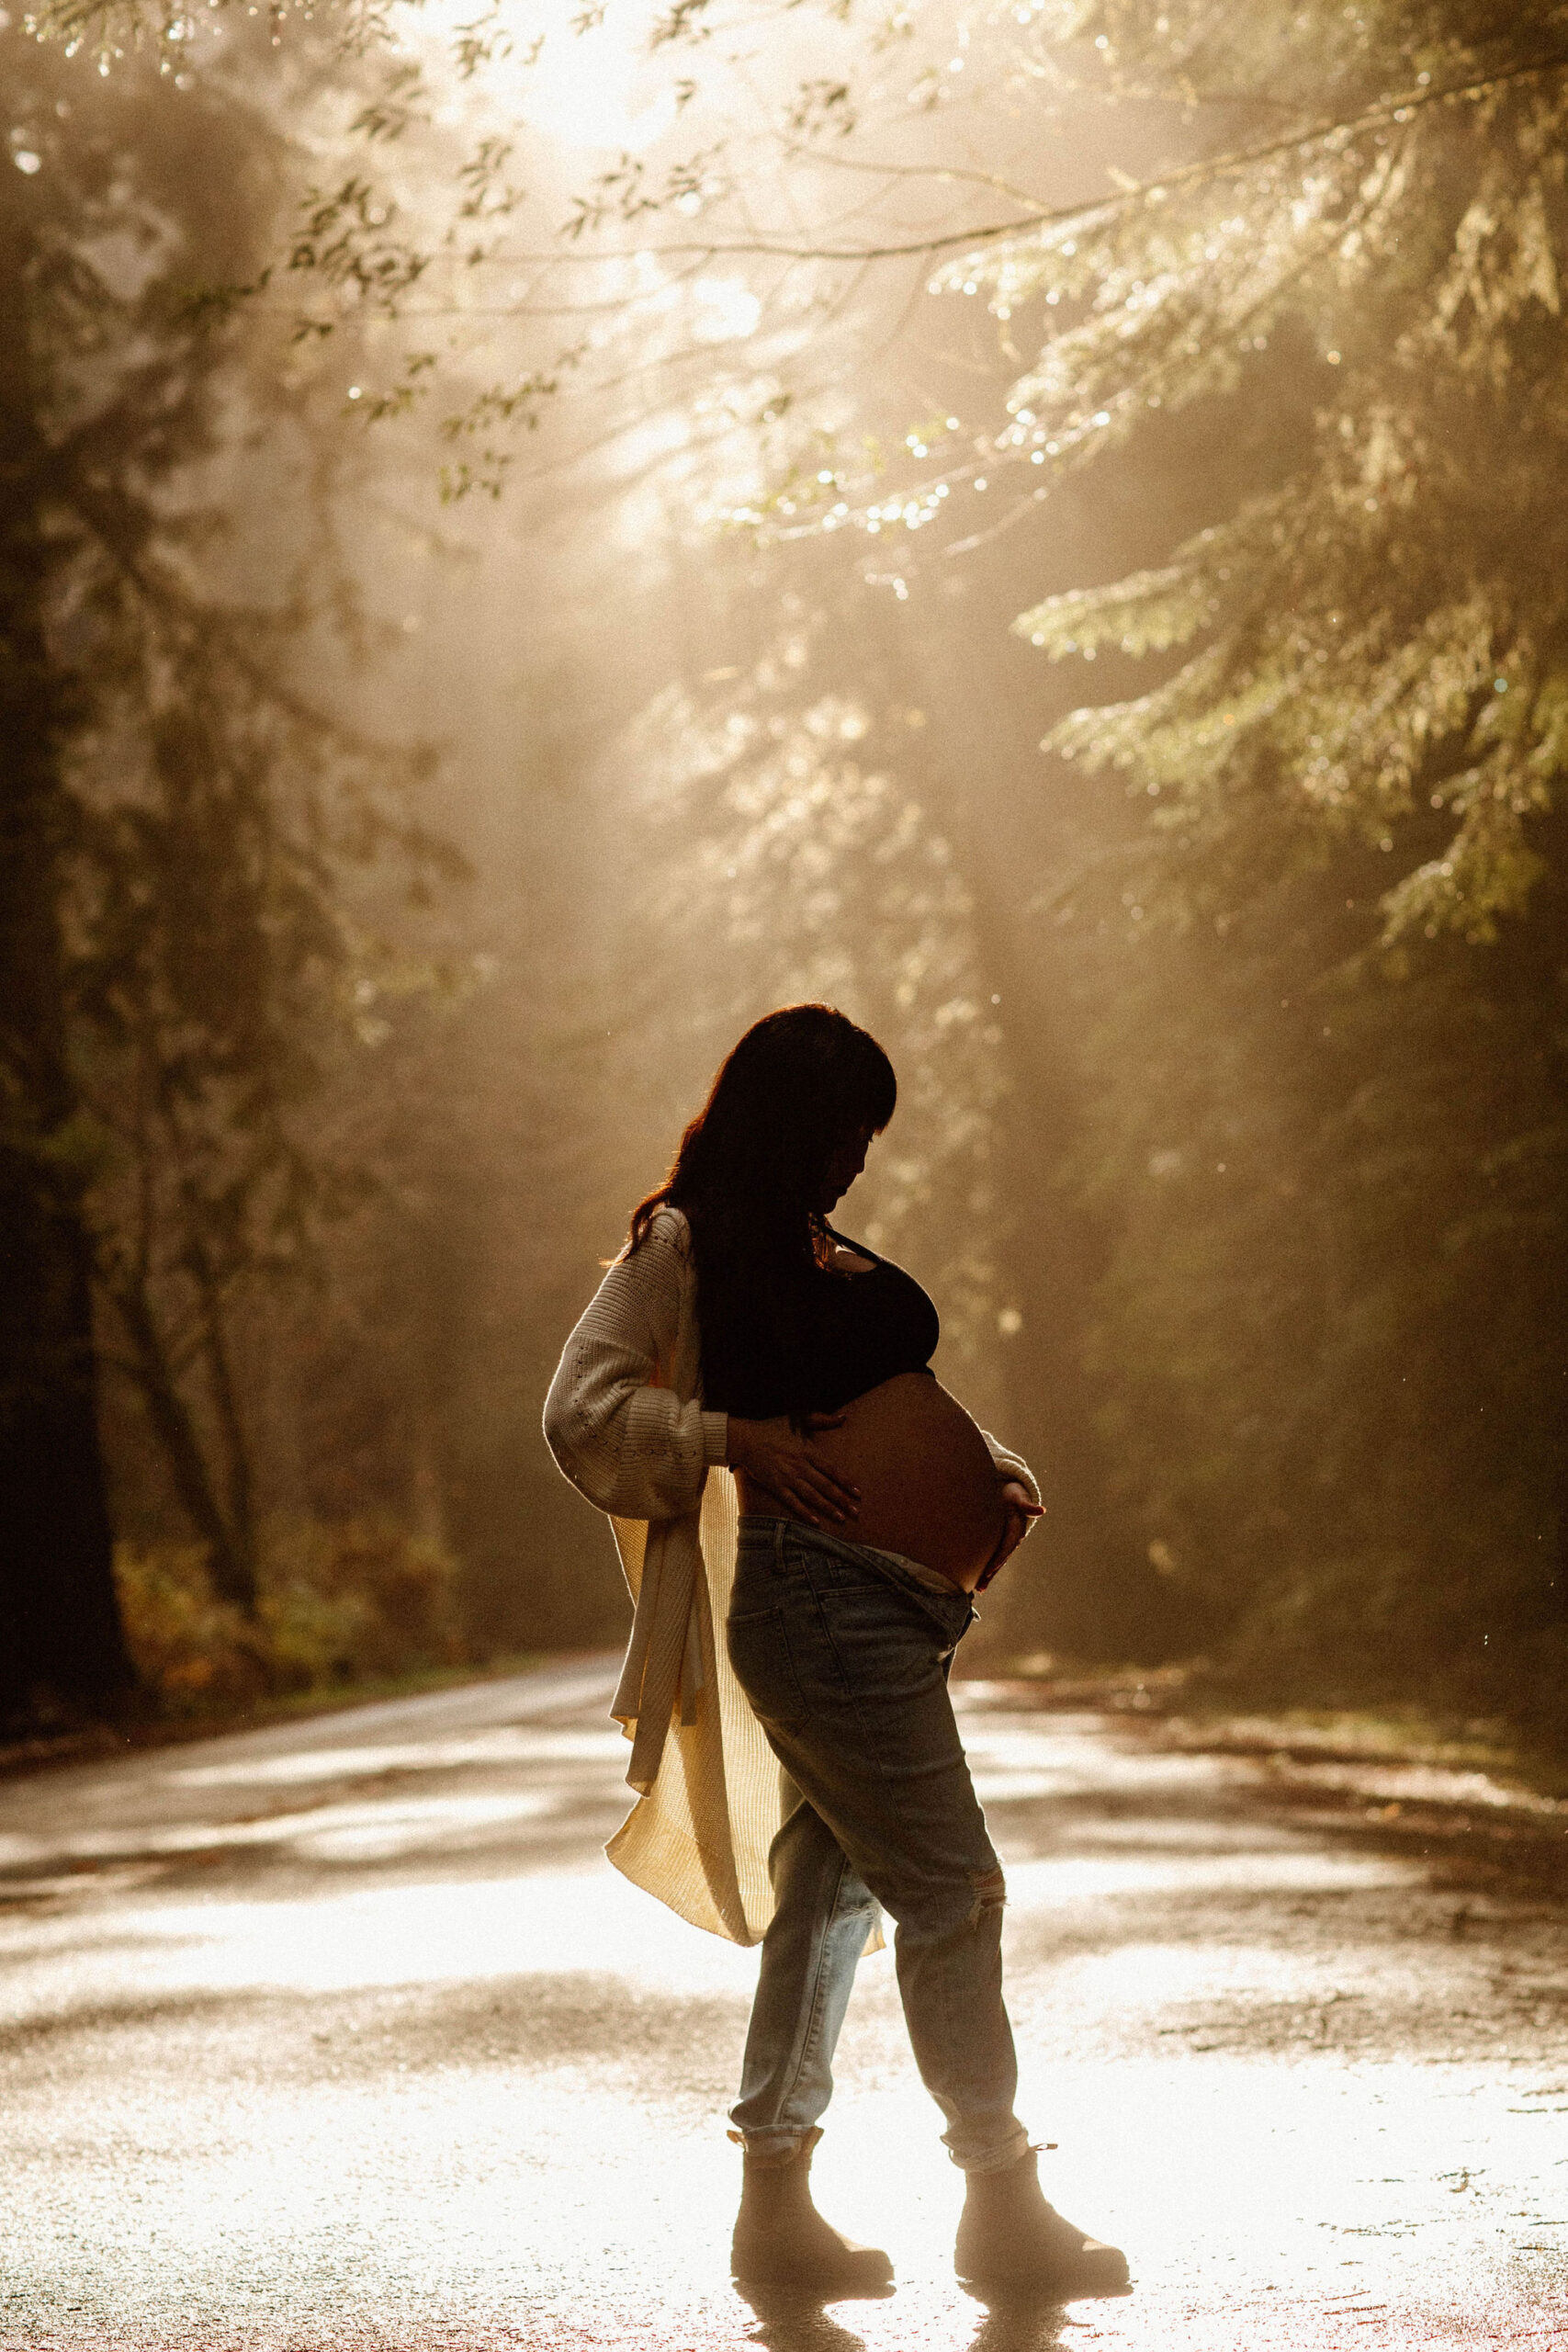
(626,1423)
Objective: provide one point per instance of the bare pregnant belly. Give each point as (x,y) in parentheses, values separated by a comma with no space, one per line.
(926,1481)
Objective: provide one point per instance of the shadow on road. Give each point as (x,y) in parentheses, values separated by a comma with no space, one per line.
(343,2033)
(1018,2322)
(1013,2321)
(791,2321)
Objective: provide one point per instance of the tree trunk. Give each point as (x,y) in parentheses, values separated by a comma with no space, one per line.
(61,1638)
(231,1551)
(241,1567)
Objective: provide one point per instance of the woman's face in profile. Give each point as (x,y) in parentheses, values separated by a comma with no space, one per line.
(843,1167)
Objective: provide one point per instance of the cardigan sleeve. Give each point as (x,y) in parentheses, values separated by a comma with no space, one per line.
(1009,1464)
(624,1439)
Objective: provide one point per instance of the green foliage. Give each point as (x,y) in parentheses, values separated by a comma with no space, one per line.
(1385,632)
(335,1606)
(1317,969)
(231,854)
(1330,1140)
(1328,1338)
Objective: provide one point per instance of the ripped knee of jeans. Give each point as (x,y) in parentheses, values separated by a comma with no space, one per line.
(989,1891)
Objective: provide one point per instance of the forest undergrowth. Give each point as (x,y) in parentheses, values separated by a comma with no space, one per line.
(338,1609)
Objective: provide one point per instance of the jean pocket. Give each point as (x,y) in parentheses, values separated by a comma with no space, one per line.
(759,1653)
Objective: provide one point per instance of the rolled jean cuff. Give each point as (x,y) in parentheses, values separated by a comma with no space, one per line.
(776,2145)
(996,2157)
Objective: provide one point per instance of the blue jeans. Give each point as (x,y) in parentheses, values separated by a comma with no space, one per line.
(844,1659)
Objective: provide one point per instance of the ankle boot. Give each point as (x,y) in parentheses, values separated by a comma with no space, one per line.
(1008,2236)
(782,2239)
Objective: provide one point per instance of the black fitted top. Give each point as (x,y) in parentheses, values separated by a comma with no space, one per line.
(843,1334)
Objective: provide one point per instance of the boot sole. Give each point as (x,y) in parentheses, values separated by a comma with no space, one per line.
(1065,2284)
(872,2275)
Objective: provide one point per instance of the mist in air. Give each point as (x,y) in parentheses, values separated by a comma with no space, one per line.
(532,534)
(568,530)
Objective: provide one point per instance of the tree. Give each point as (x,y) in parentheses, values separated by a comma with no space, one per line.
(1321,877)
(185,947)
(1356,219)
(1372,675)
(58,1625)
(1361,661)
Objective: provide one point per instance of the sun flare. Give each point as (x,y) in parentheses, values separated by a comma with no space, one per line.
(580,83)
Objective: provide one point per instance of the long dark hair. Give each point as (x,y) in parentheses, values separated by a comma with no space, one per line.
(748,1175)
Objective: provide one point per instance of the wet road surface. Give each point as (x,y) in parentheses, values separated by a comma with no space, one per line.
(343,2034)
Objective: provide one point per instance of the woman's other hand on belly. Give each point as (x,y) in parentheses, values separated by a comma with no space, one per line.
(781,1460)
(1022,1511)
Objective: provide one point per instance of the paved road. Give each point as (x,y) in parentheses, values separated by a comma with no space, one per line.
(342,2035)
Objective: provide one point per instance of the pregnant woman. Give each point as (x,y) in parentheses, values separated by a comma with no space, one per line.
(790,1788)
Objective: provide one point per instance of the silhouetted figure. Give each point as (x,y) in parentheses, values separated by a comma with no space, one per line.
(738,1329)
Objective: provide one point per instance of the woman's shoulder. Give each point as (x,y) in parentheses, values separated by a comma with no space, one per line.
(653,1276)
(668,1230)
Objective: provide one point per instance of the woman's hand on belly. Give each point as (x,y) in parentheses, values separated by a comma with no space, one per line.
(1022,1511)
(784,1464)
